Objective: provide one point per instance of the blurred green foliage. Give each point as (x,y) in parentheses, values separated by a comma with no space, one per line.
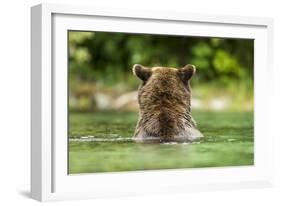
(101,62)
(108,57)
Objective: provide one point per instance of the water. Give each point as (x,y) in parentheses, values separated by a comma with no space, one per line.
(102,142)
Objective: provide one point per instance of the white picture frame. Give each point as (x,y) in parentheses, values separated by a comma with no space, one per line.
(49,178)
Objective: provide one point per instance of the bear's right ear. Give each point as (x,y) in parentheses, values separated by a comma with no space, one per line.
(142,72)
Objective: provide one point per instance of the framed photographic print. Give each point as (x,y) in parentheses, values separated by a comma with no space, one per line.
(137,102)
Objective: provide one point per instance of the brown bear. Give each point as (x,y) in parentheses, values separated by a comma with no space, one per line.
(164,105)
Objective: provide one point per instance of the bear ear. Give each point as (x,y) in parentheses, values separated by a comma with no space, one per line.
(142,72)
(187,72)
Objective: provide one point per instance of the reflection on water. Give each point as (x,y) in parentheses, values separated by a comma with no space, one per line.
(103,144)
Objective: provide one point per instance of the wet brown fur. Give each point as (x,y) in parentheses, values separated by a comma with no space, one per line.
(164,104)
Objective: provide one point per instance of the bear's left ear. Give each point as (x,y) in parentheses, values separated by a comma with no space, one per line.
(142,72)
(187,72)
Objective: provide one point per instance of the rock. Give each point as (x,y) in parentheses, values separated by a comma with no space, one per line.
(219,103)
(127,101)
(102,101)
(197,103)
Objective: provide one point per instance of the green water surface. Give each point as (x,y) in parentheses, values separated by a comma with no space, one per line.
(228,141)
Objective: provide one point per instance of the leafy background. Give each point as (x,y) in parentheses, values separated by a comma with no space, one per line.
(100,68)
